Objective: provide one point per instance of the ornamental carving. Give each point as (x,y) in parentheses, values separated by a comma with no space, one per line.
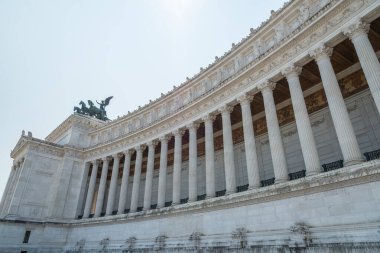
(131,243)
(160,242)
(240,235)
(303,230)
(195,238)
(80,244)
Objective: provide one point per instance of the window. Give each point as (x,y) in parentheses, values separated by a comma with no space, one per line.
(26,236)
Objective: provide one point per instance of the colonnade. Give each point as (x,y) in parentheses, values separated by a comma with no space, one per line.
(340,117)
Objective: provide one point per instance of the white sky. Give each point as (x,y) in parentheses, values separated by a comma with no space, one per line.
(54,53)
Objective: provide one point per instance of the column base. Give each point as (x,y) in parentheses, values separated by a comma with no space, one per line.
(314,172)
(253,187)
(229,193)
(119,213)
(146,209)
(352,162)
(175,204)
(281,180)
(210,197)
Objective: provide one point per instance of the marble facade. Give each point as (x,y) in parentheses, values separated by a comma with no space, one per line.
(274,147)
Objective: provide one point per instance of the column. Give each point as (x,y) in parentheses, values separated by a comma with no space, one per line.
(124,182)
(136,178)
(357,33)
(149,175)
(177,167)
(305,133)
(341,120)
(228,148)
(102,187)
(210,157)
(193,161)
(163,168)
(91,189)
(19,183)
(275,139)
(112,190)
(7,191)
(249,142)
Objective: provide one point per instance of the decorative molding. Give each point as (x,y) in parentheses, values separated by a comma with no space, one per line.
(321,52)
(357,28)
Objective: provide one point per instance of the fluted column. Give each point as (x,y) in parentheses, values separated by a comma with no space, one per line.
(91,189)
(136,178)
(358,34)
(275,139)
(210,156)
(149,175)
(228,148)
(163,168)
(113,184)
(305,133)
(193,193)
(124,182)
(177,167)
(343,127)
(102,187)
(249,142)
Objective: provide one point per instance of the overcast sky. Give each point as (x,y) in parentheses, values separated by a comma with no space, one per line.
(55,53)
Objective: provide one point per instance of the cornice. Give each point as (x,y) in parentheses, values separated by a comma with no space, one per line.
(45,147)
(78,120)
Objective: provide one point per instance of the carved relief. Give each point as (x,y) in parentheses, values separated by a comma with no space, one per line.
(160,242)
(195,238)
(240,235)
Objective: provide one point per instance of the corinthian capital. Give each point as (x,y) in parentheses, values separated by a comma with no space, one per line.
(209,118)
(291,70)
(129,152)
(355,29)
(266,86)
(245,98)
(321,52)
(152,144)
(179,132)
(226,109)
(140,148)
(193,126)
(165,138)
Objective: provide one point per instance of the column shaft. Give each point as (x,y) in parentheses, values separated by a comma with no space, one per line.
(149,176)
(210,157)
(342,123)
(7,191)
(124,182)
(249,142)
(228,148)
(162,173)
(177,167)
(305,133)
(367,57)
(274,134)
(112,190)
(193,162)
(91,190)
(136,179)
(102,188)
